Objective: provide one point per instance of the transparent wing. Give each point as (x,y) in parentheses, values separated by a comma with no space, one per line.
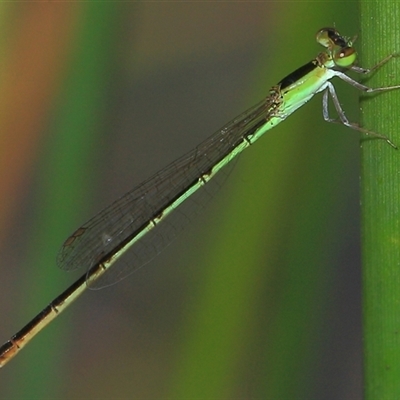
(126,217)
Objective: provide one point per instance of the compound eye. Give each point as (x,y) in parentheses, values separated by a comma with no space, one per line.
(327,36)
(345,57)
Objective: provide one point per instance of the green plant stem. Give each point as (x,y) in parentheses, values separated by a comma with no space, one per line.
(380,191)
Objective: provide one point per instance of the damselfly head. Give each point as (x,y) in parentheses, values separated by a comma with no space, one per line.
(339,48)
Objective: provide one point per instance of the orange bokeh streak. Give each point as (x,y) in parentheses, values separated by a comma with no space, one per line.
(29,82)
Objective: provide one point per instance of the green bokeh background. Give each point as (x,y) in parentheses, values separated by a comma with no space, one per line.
(260,298)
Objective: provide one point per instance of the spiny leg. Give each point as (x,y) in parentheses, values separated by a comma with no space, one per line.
(330,89)
(361,70)
(362,87)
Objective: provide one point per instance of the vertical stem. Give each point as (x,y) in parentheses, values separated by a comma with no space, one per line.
(381,205)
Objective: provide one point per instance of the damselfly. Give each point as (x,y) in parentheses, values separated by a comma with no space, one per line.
(133,221)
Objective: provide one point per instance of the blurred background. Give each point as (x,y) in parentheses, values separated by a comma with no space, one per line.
(260,297)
